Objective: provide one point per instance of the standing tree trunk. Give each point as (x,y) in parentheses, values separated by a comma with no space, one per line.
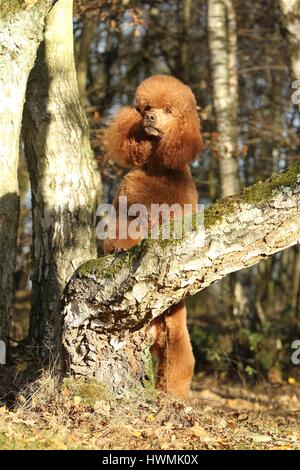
(223,55)
(21,31)
(290,11)
(185,28)
(60,166)
(223,58)
(87,36)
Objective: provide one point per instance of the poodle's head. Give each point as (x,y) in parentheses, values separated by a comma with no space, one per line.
(164,125)
(168,110)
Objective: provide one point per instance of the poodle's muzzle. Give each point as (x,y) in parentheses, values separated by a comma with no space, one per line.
(150,122)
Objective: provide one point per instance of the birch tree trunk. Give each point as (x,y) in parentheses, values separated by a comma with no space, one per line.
(109,302)
(223,55)
(223,58)
(290,12)
(21,31)
(60,165)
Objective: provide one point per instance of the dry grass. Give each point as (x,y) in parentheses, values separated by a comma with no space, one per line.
(65,414)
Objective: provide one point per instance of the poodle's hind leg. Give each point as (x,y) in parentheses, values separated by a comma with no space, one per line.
(173,349)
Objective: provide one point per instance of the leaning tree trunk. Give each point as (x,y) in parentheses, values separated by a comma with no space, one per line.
(21,31)
(60,165)
(109,302)
(223,58)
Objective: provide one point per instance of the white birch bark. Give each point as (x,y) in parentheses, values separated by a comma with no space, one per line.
(21,31)
(62,179)
(223,59)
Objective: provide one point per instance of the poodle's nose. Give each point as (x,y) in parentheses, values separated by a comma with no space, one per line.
(150,117)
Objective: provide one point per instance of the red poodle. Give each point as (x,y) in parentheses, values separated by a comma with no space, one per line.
(159,137)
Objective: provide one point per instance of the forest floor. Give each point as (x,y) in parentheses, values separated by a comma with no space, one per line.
(49,413)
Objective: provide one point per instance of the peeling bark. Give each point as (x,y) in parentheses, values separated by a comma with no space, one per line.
(21,31)
(110,301)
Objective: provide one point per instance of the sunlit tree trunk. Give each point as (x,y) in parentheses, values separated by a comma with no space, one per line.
(62,181)
(223,59)
(21,31)
(290,12)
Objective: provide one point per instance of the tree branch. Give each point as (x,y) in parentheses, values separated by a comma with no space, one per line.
(116,295)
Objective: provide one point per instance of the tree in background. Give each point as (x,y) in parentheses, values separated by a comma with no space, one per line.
(222,38)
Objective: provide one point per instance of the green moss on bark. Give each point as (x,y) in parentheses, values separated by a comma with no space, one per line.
(9,8)
(262,191)
(105,266)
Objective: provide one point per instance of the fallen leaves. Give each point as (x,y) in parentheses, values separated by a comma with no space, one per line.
(81,418)
(150,419)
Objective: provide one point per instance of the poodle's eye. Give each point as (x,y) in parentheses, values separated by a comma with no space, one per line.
(138,109)
(147,108)
(167,109)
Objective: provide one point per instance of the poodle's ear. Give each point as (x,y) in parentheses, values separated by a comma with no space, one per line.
(183,142)
(125,139)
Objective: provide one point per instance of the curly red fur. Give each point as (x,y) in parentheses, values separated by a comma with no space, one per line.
(125,139)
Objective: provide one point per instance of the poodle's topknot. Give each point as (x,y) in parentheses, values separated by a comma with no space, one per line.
(163,90)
